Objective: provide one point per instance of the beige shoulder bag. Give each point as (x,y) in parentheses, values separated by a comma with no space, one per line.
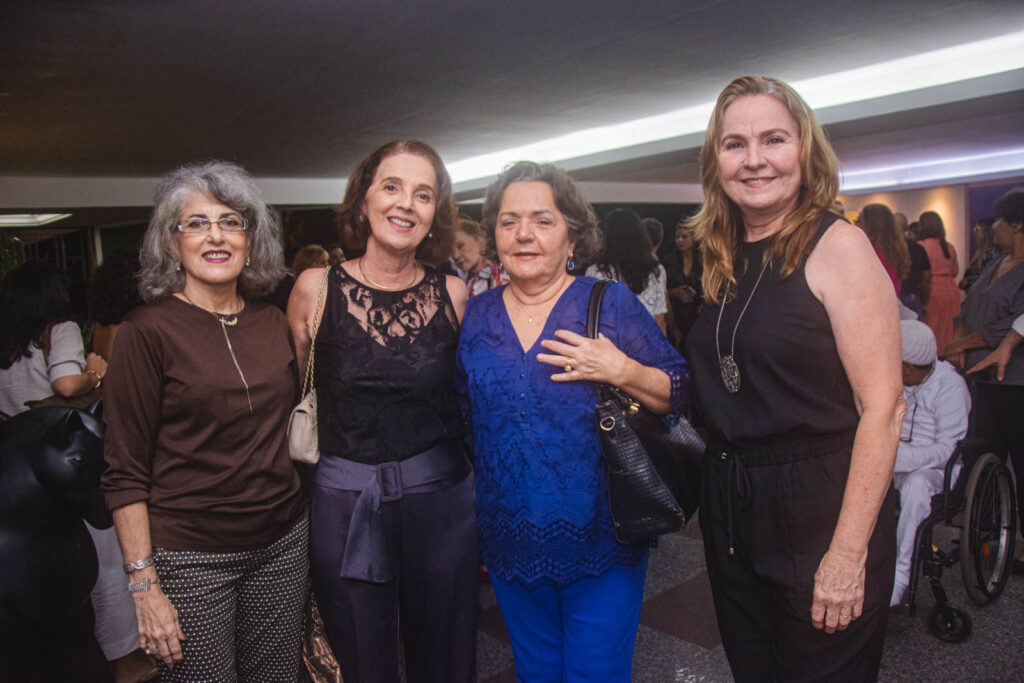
(303,442)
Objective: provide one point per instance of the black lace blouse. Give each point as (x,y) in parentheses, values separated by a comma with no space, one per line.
(384,369)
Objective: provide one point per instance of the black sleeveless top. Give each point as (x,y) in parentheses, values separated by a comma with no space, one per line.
(791,377)
(384,369)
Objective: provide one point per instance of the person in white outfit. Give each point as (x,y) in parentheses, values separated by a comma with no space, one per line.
(938,404)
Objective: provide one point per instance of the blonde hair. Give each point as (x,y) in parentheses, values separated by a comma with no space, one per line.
(718,226)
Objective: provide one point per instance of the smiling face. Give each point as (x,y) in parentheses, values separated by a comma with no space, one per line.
(400,202)
(213,258)
(468,252)
(531,234)
(759,158)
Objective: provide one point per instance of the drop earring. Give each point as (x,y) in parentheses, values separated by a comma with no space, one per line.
(248,262)
(178,269)
(571,264)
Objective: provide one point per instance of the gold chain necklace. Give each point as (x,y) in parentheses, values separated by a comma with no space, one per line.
(552,301)
(377,285)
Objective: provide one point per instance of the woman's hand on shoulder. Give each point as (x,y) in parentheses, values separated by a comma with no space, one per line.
(458,293)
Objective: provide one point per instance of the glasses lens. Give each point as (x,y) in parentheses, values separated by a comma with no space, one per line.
(195,224)
(232,224)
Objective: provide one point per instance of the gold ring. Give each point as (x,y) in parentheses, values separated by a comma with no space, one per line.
(568,367)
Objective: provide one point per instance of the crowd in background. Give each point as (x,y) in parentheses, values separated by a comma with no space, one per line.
(455,401)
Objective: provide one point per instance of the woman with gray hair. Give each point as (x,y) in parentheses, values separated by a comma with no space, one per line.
(569,592)
(206,503)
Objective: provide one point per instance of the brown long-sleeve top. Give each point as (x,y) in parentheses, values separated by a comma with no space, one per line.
(180,434)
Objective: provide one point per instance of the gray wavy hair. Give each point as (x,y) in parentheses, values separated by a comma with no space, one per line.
(577,211)
(230,184)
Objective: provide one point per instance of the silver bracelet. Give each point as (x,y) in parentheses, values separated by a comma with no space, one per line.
(138,564)
(142,585)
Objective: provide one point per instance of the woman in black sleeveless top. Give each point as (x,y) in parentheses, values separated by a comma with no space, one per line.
(796,374)
(392,520)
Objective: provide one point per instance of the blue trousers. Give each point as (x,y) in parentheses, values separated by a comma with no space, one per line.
(582,632)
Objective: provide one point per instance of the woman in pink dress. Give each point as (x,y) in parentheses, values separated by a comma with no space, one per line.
(944,303)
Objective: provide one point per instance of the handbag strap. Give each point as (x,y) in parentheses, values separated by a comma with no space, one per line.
(308,381)
(593,325)
(594,307)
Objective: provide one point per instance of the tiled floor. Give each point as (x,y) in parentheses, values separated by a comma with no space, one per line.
(678,639)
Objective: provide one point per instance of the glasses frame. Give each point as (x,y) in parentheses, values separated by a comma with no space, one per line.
(209,225)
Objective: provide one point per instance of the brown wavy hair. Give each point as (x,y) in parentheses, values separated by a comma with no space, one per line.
(878,223)
(718,226)
(437,246)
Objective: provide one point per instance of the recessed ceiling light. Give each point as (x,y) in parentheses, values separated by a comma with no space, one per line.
(926,70)
(923,172)
(30,220)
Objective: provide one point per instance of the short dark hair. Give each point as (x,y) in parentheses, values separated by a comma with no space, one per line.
(438,244)
(578,213)
(1010,207)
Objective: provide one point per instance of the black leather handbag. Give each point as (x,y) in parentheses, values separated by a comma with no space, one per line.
(653,467)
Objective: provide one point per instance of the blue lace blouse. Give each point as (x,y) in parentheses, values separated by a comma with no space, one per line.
(542,506)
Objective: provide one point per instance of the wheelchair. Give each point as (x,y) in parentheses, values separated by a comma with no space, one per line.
(981,504)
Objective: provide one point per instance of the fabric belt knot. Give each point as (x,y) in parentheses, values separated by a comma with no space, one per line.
(368,555)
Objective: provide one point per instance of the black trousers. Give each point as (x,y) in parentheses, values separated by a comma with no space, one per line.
(434,600)
(998,417)
(776,506)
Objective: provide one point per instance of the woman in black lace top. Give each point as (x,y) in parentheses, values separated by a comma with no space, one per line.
(393,533)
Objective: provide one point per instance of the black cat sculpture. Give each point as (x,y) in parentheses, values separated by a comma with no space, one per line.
(50,464)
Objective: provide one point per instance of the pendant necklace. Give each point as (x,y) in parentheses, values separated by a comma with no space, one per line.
(541,306)
(227,321)
(383,287)
(727,364)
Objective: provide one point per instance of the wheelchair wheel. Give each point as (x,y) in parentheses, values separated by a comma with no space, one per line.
(949,624)
(986,538)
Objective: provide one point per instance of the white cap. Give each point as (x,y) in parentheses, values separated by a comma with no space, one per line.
(918,342)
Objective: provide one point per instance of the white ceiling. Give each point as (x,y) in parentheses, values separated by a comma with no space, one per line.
(99,99)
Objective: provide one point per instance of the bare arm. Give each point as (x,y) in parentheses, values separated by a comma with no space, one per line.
(458,293)
(845,275)
(159,630)
(76,385)
(975,340)
(660,319)
(1000,357)
(302,311)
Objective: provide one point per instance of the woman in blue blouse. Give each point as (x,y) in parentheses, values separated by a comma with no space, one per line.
(569,592)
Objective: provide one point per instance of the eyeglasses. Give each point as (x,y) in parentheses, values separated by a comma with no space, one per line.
(196,224)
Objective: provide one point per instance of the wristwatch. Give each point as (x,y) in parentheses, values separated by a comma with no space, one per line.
(138,564)
(143,585)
